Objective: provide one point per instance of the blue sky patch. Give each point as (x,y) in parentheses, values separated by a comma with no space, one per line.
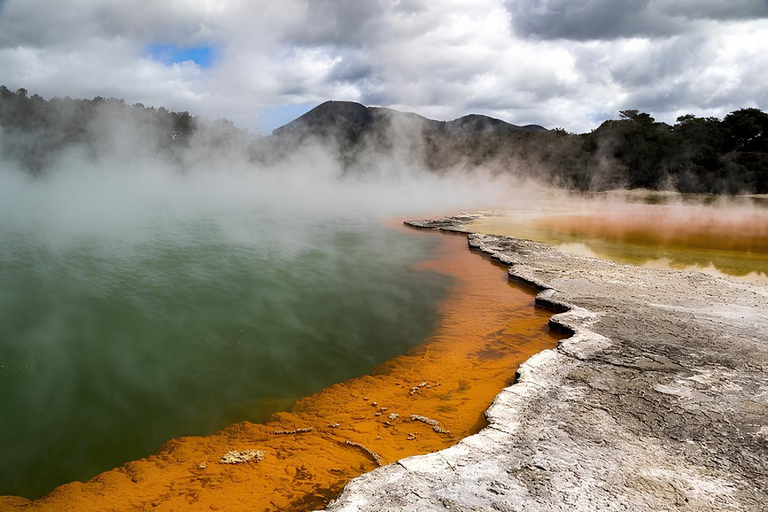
(169,54)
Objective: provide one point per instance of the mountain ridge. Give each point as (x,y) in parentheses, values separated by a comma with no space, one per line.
(334,117)
(696,154)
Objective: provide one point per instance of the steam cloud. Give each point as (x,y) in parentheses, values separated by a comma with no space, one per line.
(126,173)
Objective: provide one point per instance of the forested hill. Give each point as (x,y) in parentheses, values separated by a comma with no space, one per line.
(696,154)
(35,133)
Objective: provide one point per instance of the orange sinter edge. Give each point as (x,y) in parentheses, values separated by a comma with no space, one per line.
(417,403)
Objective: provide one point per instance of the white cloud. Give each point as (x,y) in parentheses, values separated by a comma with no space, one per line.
(518,60)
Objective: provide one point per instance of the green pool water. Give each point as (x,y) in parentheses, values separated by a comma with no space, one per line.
(116,339)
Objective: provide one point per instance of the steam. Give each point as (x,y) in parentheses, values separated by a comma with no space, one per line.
(720,235)
(124,176)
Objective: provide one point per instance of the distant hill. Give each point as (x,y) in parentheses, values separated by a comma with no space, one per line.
(352,120)
(696,154)
(484,124)
(363,134)
(330,118)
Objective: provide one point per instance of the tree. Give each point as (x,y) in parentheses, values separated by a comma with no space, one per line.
(747,130)
(637,116)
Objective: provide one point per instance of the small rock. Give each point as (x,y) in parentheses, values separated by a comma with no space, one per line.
(236,457)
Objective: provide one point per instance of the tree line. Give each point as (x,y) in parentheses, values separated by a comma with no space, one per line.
(35,131)
(696,154)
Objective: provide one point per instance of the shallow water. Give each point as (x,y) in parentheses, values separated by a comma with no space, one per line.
(727,237)
(113,343)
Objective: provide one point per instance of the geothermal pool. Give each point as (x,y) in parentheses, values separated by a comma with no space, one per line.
(723,236)
(324,304)
(112,343)
(118,336)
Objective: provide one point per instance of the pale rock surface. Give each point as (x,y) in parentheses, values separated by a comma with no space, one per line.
(658,401)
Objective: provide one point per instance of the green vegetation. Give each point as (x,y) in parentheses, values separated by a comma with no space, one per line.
(35,131)
(696,154)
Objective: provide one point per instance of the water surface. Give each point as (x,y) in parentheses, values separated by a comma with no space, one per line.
(487,328)
(724,236)
(113,341)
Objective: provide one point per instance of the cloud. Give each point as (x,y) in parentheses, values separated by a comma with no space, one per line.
(339,22)
(553,62)
(40,23)
(611,19)
(713,9)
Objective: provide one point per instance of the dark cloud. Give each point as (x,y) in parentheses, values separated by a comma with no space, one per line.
(41,23)
(568,63)
(352,68)
(722,10)
(610,19)
(654,64)
(579,19)
(336,22)
(356,24)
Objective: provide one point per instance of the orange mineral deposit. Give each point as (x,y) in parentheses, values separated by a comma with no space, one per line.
(417,403)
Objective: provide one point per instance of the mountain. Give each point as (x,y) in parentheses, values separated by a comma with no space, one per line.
(363,135)
(330,118)
(696,154)
(350,121)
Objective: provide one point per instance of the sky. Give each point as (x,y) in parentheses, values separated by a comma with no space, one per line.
(260,63)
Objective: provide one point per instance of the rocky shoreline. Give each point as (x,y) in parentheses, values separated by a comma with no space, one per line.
(658,400)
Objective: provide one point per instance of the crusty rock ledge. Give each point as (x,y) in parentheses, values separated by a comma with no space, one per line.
(658,401)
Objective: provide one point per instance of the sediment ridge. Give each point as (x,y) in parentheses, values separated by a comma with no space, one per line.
(657,401)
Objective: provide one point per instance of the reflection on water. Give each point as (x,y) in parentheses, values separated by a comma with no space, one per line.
(717,235)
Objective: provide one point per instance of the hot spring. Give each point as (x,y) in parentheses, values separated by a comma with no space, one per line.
(723,236)
(135,311)
(113,343)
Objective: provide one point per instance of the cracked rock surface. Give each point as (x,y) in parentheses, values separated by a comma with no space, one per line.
(658,401)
